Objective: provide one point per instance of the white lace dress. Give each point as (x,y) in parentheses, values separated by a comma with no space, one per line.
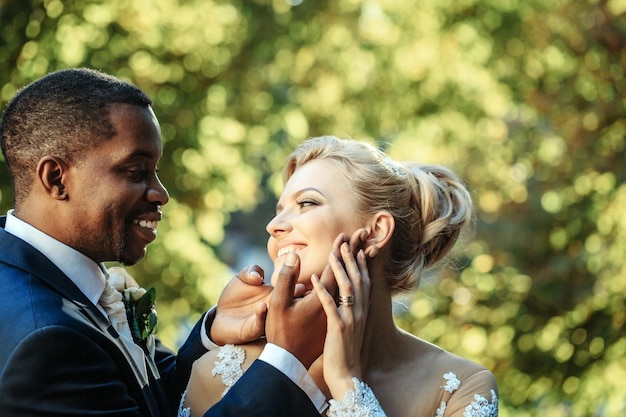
(480,407)
(360,402)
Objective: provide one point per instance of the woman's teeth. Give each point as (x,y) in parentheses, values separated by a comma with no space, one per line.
(286,250)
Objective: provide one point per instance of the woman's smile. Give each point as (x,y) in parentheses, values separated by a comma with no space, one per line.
(288,249)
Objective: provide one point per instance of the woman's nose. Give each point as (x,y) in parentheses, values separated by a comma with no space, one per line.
(279,224)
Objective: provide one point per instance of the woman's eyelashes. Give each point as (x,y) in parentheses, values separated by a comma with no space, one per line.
(297,201)
(306,202)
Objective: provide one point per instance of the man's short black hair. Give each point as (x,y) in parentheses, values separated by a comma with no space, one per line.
(62,114)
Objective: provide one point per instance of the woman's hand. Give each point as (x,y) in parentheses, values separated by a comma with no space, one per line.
(346,322)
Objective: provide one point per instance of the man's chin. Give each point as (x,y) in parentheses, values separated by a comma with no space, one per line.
(127,262)
(129,259)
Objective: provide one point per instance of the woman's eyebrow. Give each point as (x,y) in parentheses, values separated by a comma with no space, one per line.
(299,193)
(304,190)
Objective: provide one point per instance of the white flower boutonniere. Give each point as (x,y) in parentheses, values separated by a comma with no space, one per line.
(139,303)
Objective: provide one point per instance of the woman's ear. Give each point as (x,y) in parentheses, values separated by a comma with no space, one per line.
(381,229)
(51,175)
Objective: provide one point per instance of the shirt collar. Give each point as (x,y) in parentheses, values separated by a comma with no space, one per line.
(86,274)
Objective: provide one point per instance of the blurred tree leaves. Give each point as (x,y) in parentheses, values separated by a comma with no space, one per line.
(525,99)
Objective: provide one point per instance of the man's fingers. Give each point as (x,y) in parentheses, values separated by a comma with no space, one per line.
(251,275)
(286,314)
(260,310)
(287,277)
(299,291)
(257,323)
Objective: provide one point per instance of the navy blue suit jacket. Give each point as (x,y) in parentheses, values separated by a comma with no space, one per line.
(60,357)
(263,391)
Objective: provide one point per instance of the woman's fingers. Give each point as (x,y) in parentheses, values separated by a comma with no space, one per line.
(328,303)
(345,322)
(341,270)
(357,239)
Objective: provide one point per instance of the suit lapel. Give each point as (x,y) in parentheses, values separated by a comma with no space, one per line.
(16,252)
(134,355)
(21,255)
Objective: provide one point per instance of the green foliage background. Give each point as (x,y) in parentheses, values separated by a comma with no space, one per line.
(523,98)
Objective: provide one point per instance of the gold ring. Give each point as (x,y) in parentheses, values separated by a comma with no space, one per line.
(346,300)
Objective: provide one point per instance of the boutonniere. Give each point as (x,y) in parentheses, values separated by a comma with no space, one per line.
(139,303)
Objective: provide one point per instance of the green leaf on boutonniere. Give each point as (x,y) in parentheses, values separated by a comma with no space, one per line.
(141,313)
(146,302)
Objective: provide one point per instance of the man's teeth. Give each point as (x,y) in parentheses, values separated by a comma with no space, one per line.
(146,223)
(286,250)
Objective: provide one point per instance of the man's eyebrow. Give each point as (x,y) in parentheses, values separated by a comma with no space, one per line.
(140,153)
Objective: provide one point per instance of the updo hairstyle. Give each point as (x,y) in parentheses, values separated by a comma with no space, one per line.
(429,203)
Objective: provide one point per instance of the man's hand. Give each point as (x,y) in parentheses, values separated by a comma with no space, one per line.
(241,308)
(297,324)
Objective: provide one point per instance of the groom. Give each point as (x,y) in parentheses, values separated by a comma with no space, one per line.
(82,150)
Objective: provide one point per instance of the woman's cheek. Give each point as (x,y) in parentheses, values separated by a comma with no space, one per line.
(274,277)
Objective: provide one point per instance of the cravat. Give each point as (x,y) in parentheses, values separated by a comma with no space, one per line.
(111,301)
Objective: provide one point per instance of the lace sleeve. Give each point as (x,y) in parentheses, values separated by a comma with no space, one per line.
(360,402)
(476,396)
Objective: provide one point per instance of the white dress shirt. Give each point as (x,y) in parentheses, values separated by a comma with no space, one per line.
(289,365)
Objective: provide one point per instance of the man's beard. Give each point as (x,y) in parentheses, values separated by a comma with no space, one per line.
(120,248)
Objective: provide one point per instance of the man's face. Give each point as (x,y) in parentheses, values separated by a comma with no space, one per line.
(114,192)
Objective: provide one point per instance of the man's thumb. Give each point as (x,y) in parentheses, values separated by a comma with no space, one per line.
(287,278)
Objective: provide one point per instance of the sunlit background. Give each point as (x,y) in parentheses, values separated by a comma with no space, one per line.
(523,98)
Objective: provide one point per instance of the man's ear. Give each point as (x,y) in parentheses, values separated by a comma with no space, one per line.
(381,229)
(51,173)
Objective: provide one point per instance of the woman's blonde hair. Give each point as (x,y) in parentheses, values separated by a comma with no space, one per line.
(429,204)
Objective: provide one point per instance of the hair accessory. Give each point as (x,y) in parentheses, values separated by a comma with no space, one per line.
(346,300)
(394,167)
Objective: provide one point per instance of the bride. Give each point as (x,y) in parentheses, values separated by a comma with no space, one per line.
(409,217)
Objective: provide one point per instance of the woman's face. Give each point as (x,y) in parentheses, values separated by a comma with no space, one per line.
(314,208)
